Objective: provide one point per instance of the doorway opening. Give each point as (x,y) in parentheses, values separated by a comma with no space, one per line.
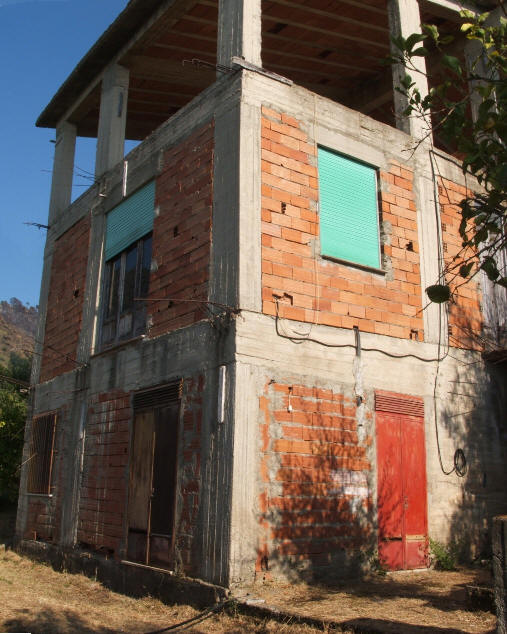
(401,484)
(153,476)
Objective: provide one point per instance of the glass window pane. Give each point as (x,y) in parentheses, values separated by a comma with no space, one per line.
(129,285)
(112,286)
(145,267)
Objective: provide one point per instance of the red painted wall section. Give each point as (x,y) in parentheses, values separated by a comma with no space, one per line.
(314,502)
(465,317)
(104,483)
(182,233)
(317,290)
(65,301)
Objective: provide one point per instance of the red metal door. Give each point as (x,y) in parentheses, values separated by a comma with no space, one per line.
(401,491)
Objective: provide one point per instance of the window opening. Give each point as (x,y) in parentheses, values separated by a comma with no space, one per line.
(348,208)
(40,463)
(126,280)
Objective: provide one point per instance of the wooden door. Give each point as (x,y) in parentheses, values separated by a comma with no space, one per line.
(152,486)
(401,491)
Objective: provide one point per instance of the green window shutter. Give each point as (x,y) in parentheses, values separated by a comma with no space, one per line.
(130,220)
(348,209)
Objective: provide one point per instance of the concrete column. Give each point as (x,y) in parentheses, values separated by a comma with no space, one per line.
(63,170)
(404,19)
(475,66)
(475,62)
(112,119)
(500,571)
(239,31)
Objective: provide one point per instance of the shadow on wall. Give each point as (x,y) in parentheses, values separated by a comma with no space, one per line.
(317,519)
(474,417)
(315,508)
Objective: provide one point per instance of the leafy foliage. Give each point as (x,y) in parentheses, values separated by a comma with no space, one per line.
(478,85)
(13,401)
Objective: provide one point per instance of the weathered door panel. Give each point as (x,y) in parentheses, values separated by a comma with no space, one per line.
(140,485)
(401,490)
(164,485)
(414,491)
(390,496)
(152,486)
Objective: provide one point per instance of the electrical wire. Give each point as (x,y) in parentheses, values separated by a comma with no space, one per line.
(194,620)
(302,339)
(10,379)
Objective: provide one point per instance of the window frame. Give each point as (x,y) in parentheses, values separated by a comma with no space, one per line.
(378,210)
(136,310)
(40,467)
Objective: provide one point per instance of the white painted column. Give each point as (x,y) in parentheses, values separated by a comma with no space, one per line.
(404,19)
(112,119)
(239,31)
(63,170)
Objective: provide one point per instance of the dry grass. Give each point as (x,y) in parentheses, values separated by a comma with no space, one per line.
(34,598)
(427,601)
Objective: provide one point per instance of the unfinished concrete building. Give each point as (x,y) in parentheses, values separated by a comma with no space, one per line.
(237,375)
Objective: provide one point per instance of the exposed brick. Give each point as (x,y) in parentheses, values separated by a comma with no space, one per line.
(287,179)
(65,300)
(181,232)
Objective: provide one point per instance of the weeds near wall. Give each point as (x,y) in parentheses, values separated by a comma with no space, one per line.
(445,557)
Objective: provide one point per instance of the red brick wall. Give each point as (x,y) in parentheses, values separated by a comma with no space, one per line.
(465,316)
(40,519)
(104,489)
(65,301)
(314,501)
(45,512)
(103,500)
(317,290)
(181,232)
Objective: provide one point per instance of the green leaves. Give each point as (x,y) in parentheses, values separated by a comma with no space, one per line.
(439,293)
(467,103)
(12,424)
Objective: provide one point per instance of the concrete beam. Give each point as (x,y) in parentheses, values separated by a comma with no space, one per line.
(404,19)
(112,119)
(448,8)
(239,31)
(63,170)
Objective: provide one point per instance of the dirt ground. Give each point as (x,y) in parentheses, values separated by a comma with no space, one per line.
(423,602)
(34,598)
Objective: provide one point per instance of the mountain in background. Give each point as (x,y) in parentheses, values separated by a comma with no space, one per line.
(18,324)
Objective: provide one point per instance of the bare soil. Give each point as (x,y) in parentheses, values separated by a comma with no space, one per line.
(426,602)
(34,598)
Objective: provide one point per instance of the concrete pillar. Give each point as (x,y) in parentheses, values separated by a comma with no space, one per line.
(475,62)
(239,31)
(63,170)
(112,119)
(404,19)
(500,571)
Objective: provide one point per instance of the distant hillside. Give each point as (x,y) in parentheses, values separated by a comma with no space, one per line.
(18,324)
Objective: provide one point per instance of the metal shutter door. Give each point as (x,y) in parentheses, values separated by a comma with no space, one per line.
(130,220)
(348,209)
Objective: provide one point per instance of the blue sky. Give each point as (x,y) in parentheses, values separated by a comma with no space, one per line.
(40,43)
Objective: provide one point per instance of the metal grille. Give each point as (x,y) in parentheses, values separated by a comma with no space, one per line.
(399,404)
(40,463)
(158,396)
